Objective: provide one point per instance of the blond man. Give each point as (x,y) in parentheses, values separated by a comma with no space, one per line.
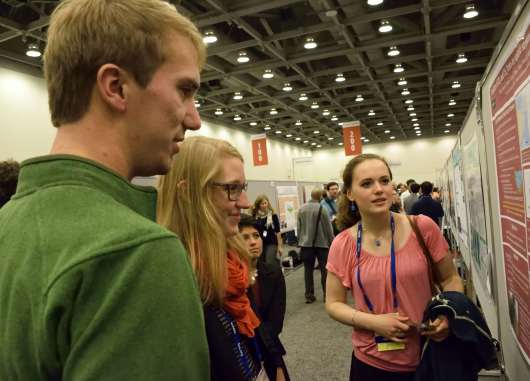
(91,288)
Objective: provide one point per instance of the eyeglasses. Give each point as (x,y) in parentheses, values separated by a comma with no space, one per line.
(233,190)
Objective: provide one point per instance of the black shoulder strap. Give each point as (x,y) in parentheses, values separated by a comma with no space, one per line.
(318,224)
(331,205)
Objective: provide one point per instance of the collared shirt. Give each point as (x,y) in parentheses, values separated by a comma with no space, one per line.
(90,286)
(331,207)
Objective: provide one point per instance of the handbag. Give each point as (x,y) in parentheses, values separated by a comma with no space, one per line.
(435,287)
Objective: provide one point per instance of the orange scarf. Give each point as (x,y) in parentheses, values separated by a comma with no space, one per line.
(236,302)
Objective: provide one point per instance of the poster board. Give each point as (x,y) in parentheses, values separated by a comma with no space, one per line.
(288,205)
(460,205)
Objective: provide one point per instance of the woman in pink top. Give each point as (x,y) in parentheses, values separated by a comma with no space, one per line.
(379,258)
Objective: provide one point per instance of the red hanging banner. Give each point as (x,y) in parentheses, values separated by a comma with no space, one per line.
(259,149)
(351,134)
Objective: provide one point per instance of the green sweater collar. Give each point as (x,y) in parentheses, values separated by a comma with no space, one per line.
(53,170)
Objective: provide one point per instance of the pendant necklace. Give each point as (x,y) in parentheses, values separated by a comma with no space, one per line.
(377,242)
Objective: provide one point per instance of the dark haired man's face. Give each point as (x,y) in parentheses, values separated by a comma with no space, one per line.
(333,192)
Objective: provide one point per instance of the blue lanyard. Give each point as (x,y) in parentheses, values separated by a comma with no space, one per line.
(236,339)
(392,266)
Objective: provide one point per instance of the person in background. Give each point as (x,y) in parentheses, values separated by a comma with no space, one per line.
(9,171)
(406,193)
(436,194)
(396,206)
(315,235)
(91,287)
(269,224)
(330,203)
(426,205)
(401,188)
(412,198)
(267,295)
(375,247)
(200,200)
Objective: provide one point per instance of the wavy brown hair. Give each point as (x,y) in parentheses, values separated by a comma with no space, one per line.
(345,217)
(257,203)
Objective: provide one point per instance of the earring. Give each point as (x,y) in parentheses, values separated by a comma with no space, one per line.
(353,207)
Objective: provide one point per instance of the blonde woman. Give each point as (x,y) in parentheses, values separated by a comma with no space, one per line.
(269,225)
(200,199)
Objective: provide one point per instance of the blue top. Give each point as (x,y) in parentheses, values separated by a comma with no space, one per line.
(429,207)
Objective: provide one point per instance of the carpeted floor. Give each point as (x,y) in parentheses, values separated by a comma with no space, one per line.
(318,348)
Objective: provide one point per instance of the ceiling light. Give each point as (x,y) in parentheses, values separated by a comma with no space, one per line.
(331,138)
(405,91)
(446,131)
(268,74)
(288,135)
(287,87)
(197,104)
(340,78)
(359,98)
(298,123)
(367,140)
(450,115)
(340,144)
(448,125)
(455,85)
(310,43)
(242,57)
(237,117)
(325,112)
(306,141)
(371,113)
(298,138)
(410,108)
(313,144)
(409,101)
(412,114)
(334,118)
(385,26)
(237,96)
(393,51)
(452,102)
(316,132)
(278,132)
(253,123)
(319,146)
(387,131)
(273,111)
(33,50)
(314,105)
(414,119)
(302,97)
(392,137)
(380,123)
(416,128)
(470,11)
(416,124)
(267,127)
(461,58)
(374,2)
(218,111)
(398,68)
(209,37)
(402,82)
(340,123)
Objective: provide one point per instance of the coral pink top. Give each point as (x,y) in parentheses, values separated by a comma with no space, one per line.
(413,289)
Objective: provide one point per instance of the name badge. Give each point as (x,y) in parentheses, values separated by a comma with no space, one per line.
(384,344)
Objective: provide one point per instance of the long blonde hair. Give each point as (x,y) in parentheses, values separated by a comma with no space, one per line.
(186,207)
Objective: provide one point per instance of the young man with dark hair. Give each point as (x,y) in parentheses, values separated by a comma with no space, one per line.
(8,180)
(329,201)
(411,198)
(426,205)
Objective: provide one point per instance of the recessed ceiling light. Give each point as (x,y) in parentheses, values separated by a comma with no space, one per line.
(380,123)
(448,125)
(392,137)
(319,145)
(273,111)
(374,2)
(470,12)
(340,78)
(393,51)
(325,112)
(414,119)
(409,101)
(209,37)
(314,105)
(461,58)
(455,85)
(313,144)
(218,111)
(298,138)
(398,68)
(316,132)
(237,96)
(303,97)
(415,124)
(268,74)
(359,98)
(405,91)
(33,50)
(416,128)
(446,131)
(310,43)
(402,82)
(410,108)
(242,57)
(371,113)
(237,117)
(387,131)
(253,123)
(452,102)
(306,141)
(367,140)
(278,132)
(287,87)
(288,135)
(385,27)
(341,143)
(334,118)
(331,138)
(267,127)
(298,123)
(450,115)
(412,114)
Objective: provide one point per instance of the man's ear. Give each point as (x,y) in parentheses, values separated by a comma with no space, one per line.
(110,81)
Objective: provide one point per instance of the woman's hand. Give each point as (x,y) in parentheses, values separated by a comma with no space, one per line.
(392,326)
(439,329)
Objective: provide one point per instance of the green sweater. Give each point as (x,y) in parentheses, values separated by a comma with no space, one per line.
(90,287)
